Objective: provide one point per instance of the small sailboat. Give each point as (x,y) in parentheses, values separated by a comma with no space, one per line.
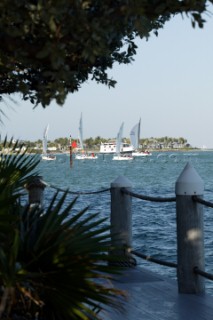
(118,155)
(135,140)
(83,155)
(45,155)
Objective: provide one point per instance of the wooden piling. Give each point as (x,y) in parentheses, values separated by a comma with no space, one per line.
(190,231)
(121,219)
(35,189)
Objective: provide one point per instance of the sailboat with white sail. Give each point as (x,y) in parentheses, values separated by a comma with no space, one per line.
(135,141)
(83,155)
(118,155)
(46,155)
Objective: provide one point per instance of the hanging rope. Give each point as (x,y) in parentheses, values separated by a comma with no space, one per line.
(203,273)
(206,203)
(148,258)
(147,198)
(78,192)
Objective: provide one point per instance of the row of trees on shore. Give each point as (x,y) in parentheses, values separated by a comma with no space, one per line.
(62,144)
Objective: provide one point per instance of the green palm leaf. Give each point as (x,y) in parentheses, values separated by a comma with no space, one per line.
(62,260)
(53,263)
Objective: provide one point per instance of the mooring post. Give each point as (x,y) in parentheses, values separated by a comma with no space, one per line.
(121,219)
(35,189)
(190,233)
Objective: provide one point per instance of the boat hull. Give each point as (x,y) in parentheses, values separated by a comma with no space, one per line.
(86,157)
(48,158)
(123,158)
(141,154)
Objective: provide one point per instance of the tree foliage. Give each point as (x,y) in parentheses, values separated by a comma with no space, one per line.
(50,48)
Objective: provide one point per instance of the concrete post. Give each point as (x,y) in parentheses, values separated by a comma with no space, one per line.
(121,218)
(190,234)
(35,189)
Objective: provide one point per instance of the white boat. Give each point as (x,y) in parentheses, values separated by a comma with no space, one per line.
(125,157)
(49,157)
(118,155)
(135,140)
(45,155)
(86,156)
(82,155)
(141,153)
(110,147)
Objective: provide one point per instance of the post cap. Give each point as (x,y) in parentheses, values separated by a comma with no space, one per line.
(35,182)
(121,182)
(189,182)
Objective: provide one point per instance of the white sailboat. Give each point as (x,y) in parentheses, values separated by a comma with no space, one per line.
(118,155)
(45,155)
(83,155)
(135,140)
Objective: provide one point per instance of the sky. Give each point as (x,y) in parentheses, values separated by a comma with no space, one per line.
(169,86)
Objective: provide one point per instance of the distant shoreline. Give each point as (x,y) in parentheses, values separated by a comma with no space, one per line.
(97,152)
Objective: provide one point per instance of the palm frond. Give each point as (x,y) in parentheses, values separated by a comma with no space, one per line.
(55,261)
(69,255)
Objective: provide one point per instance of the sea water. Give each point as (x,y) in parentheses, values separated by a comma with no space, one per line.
(154,224)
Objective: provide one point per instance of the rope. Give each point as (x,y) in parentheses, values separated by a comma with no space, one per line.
(78,192)
(148,258)
(206,203)
(203,273)
(147,198)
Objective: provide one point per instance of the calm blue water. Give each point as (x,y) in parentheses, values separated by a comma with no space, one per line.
(154,226)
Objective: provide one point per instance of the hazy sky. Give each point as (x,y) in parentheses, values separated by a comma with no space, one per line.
(169,86)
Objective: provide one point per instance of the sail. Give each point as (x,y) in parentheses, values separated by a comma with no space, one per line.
(135,135)
(81,133)
(119,139)
(45,136)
